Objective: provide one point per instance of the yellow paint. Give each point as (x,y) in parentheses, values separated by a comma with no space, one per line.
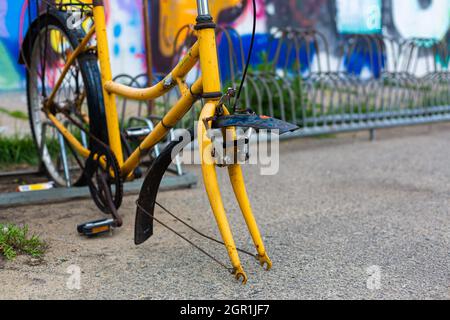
(205,50)
(71,59)
(57,43)
(174,14)
(36,187)
(177,112)
(238,183)
(208,60)
(79,148)
(112,117)
(213,190)
(179,72)
(73,1)
(211,83)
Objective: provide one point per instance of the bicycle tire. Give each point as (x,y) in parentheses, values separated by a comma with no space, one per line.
(90,73)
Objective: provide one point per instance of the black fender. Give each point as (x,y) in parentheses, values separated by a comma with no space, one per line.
(253,121)
(143,228)
(34,27)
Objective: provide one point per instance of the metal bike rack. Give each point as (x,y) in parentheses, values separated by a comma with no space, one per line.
(299,84)
(146,122)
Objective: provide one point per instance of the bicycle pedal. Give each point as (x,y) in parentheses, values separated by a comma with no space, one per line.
(136,134)
(96,228)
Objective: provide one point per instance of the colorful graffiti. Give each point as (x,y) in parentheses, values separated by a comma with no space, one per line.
(421,19)
(10,75)
(334,18)
(126,37)
(358,17)
(168,17)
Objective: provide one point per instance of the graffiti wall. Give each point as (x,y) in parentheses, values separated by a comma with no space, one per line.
(11,75)
(334,18)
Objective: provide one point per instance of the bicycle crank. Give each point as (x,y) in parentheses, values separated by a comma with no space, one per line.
(103,176)
(106,188)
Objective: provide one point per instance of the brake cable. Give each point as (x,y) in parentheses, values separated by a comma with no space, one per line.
(184,238)
(97,140)
(77,124)
(247,65)
(182,221)
(231,270)
(199,232)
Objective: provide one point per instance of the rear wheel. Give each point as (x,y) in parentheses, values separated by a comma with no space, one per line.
(80,95)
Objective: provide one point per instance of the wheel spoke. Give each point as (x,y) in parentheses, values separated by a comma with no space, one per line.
(50,53)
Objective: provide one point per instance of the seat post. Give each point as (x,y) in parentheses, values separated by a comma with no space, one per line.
(203,7)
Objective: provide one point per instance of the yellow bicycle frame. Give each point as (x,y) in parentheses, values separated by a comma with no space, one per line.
(208,86)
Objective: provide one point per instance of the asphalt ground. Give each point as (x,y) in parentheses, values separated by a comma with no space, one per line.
(345,218)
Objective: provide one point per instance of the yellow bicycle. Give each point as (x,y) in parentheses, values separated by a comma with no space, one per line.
(74,119)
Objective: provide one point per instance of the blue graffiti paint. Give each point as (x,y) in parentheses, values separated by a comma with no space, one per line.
(352,16)
(262,55)
(117,30)
(11,74)
(116,50)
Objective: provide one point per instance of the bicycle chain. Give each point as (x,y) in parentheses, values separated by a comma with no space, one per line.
(92,166)
(102,174)
(231,270)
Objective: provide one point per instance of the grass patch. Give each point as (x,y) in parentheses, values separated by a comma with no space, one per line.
(14,114)
(15,240)
(17,151)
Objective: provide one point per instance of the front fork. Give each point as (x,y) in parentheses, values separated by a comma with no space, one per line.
(215,198)
(212,90)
